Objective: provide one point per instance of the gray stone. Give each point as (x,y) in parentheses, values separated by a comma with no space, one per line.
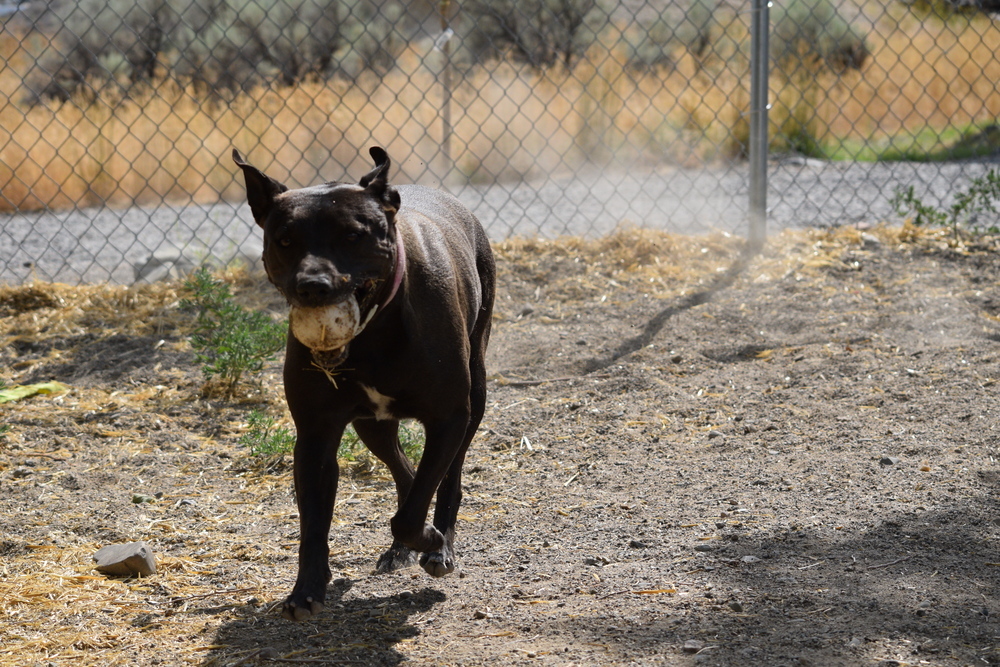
(126,559)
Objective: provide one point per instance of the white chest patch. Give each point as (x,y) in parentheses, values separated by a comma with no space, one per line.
(380,403)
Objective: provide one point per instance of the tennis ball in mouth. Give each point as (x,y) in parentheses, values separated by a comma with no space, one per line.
(326,327)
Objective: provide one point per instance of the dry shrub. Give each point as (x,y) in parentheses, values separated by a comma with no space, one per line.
(510,122)
(920,74)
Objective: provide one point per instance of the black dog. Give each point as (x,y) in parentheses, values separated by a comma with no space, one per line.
(421,270)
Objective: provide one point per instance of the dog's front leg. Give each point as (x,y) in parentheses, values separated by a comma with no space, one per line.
(316,474)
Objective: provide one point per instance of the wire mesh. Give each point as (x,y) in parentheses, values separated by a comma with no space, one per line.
(546,117)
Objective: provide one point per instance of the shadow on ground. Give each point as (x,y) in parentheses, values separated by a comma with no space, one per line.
(350,631)
(910,590)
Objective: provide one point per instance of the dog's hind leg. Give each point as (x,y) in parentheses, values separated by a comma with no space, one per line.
(449,495)
(382,439)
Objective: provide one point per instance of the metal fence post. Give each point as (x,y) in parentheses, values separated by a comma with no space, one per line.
(759,65)
(445,9)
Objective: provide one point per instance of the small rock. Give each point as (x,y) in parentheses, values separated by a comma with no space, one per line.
(20,473)
(749,559)
(736,606)
(481,615)
(269,653)
(599,561)
(692,646)
(889,460)
(712,435)
(855,642)
(126,559)
(636,544)
(869,240)
(703,547)
(676,358)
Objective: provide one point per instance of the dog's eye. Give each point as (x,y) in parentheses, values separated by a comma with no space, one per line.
(352,237)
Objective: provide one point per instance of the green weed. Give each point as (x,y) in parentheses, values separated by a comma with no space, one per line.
(264,438)
(975,208)
(411,440)
(230,341)
(4,428)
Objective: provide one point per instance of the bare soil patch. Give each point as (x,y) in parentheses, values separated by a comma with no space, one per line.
(796,468)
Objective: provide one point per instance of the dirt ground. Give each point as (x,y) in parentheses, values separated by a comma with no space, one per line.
(795,465)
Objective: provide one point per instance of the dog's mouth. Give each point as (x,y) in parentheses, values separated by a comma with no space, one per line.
(364,294)
(329,360)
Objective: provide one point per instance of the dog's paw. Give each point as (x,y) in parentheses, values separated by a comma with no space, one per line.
(437,563)
(298,612)
(397,557)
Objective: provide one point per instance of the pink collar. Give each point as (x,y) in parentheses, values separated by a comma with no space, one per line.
(397,280)
(400,268)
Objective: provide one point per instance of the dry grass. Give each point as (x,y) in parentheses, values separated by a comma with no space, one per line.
(920,74)
(510,122)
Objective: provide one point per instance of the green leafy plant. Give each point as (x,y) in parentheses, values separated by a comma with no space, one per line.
(411,440)
(264,438)
(219,45)
(230,341)
(4,428)
(541,33)
(975,207)
(811,41)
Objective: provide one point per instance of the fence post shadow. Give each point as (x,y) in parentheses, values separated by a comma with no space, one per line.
(656,323)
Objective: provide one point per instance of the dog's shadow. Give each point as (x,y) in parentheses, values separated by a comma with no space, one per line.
(354,631)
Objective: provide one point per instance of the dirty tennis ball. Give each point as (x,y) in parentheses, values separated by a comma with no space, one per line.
(326,327)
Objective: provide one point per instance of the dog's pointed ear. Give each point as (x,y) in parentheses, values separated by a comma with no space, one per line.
(261,188)
(376,181)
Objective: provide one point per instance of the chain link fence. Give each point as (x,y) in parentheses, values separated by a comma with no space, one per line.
(546,117)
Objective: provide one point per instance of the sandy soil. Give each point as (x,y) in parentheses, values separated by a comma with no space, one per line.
(793,466)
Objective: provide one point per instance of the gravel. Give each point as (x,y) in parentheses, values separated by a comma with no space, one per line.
(97,244)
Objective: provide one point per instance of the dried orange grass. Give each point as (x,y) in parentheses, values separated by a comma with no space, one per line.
(923,74)
(509,122)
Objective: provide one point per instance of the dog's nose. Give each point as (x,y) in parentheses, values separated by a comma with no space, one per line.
(319,285)
(313,287)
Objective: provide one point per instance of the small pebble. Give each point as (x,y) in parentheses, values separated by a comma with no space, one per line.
(736,606)
(692,646)
(889,460)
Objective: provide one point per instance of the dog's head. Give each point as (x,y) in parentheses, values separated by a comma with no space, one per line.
(327,242)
